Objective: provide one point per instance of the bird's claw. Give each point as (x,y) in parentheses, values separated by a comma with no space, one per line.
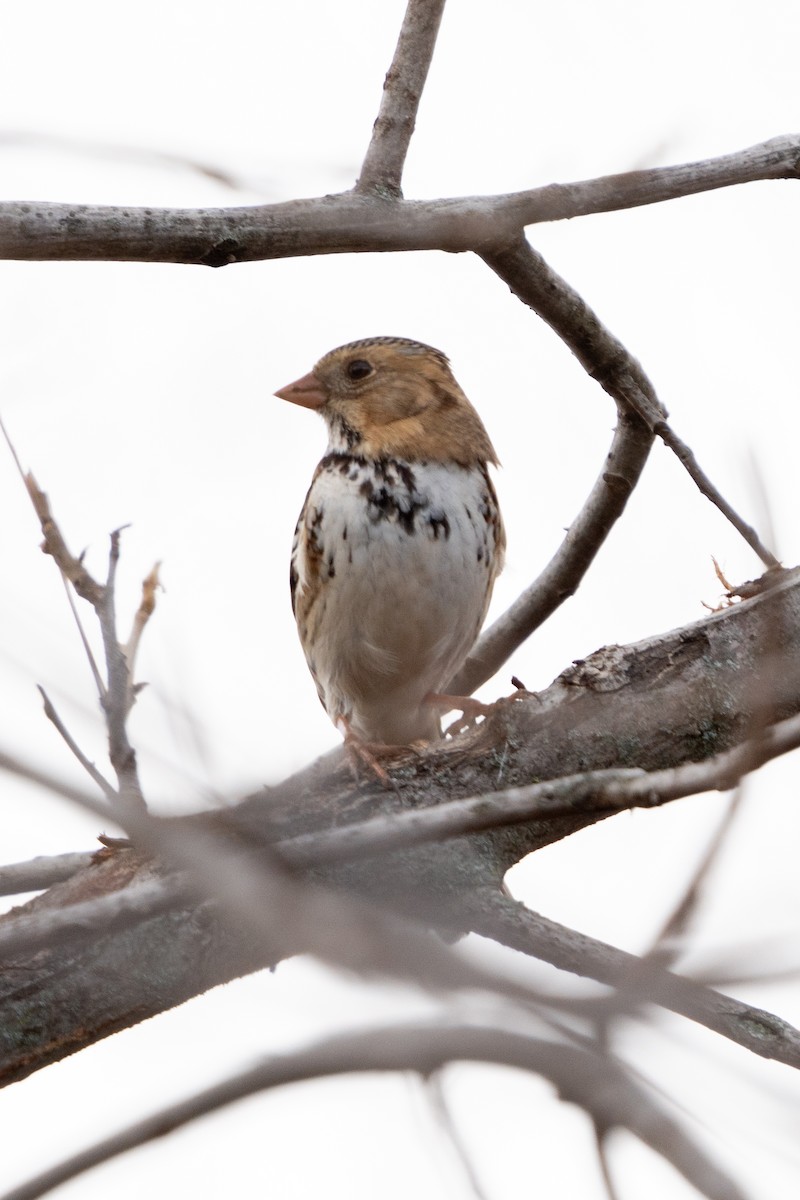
(473,710)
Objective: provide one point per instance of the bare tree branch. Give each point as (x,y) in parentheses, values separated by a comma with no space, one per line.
(667,942)
(538,286)
(145,897)
(382,170)
(601,1141)
(42,872)
(147,604)
(595,1082)
(440,1108)
(638,980)
(671,698)
(688,460)
(259,885)
(121,693)
(281,913)
(71,568)
(105,787)
(605,359)
(117,695)
(99,682)
(319,922)
(612,790)
(562,576)
(354,223)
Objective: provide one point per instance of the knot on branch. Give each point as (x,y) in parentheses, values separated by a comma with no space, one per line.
(223,253)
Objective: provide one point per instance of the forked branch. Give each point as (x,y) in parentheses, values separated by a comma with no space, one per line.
(117,692)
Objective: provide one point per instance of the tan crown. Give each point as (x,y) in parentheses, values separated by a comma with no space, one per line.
(391,396)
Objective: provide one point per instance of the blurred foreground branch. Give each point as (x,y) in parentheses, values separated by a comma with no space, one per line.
(680,698)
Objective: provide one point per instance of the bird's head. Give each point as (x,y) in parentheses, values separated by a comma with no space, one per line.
(393,397)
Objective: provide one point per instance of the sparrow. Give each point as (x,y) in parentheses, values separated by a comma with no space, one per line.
(399,541)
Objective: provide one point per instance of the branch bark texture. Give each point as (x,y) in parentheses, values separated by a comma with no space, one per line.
(352,223)
(676,698)
(382,170)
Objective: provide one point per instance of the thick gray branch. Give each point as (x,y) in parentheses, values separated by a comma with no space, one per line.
(601,792)
(351,223)
(673,699)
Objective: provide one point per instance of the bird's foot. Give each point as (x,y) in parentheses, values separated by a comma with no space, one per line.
(472,710)
(362,754)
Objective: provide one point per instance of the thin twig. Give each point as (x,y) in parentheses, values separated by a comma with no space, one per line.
(382,169)
(605,358)
(495,915)
(601,1144)
(121,695)
(150,585)
(51,714)
(537,285)
(434,1091)
(69,565)
(72,568)
(118,697)
(666,945)
(686,457)
(561,577)
(93,667)
(597,1083)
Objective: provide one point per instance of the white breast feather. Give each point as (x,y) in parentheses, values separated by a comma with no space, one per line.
(406,578)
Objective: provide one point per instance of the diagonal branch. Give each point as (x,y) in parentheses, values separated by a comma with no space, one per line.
(50,712)
(538,286)
(686,457)
(606,359)
(562,576)
(495,915)
(382,169)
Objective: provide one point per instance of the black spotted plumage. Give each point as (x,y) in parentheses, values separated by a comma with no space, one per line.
(400,538)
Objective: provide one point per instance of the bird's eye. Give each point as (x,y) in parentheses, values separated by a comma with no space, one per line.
(358,368)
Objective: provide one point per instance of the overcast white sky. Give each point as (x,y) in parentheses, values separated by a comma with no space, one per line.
(143,394)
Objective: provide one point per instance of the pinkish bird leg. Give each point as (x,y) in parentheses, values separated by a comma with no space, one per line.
(472,709)
(363,753)
(469,708)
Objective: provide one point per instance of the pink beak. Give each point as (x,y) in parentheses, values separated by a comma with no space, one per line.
(307,392)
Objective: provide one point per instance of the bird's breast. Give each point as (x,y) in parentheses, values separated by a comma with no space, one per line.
(392,567)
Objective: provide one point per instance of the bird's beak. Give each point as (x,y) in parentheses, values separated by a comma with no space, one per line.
(307,392)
